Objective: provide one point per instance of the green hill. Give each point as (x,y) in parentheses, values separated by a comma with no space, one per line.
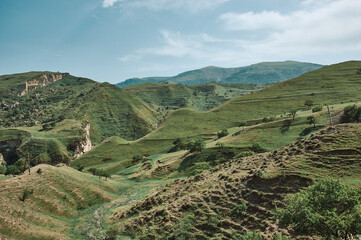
(201,97)
(39,98)
(261,73)
(333,84)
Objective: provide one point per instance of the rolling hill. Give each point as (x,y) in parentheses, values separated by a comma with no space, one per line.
(39,98)
(339,83)
(261,73)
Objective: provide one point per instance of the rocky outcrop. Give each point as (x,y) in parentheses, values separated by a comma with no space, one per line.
(40,81)
(86,145)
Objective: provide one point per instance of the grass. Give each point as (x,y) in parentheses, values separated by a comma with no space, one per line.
(58,194)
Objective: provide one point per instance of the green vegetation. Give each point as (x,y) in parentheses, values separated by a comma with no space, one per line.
(261,73)
(328,209)
(351,114)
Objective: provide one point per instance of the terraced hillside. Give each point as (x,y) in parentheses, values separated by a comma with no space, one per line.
(261,73)
(330,85)
(201,97)
(239,196)
(109,110)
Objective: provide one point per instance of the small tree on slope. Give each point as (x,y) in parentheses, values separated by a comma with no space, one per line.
(328,208)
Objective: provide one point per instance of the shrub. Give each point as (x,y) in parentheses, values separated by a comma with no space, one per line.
(196,145)
(137,158)
(12,170)
(242,124)
(245,154)
(2,168)
(257,148)
(351,114)
(39,171)
(222,133)
(25,195)
(308,103)
(240,209)
(328,208)
(317,109)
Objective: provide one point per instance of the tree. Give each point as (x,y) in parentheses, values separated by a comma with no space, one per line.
(312,120)
(196,145)
(351,114)
(308,103)
(12,170)
(222,133)
(328,208)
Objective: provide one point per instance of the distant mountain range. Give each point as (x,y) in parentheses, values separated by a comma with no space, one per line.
(260,73)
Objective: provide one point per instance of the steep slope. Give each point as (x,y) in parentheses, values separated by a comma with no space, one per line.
(240,195)
(330,85)
(201,97)
(52,204)
(261,73)
(108,109)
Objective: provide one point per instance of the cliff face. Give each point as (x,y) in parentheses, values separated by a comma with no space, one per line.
(40,81)
(84,146)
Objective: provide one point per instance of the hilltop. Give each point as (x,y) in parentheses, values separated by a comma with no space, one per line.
(38,98)
(261,73)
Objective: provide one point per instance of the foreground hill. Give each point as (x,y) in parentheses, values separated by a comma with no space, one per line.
(261,73)
(203,206)
(48,203)
(39,98)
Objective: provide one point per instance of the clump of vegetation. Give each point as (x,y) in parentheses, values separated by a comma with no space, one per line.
(257,148)
(240,209)
(197,145)
(12,170)
(26,194)
(99,172)
(80,168)
(308,103)
(39,171)
(312,120)
(245,154)
(328,208)
(351,114)
(268,119)
(137,158)
(3,167)
(317,109)
(222,133)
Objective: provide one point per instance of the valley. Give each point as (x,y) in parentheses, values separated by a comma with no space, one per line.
(195,156)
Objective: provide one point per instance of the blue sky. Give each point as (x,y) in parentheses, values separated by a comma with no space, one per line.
(112,40)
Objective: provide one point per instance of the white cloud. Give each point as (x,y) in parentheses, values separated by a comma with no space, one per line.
(323,34)
(109,3)
(189,5)
(329,27)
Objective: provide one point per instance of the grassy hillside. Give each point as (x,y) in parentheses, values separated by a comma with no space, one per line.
(239,196)
(11,81)
(52,146)
(201,97)
(270,72)
(329,85)
(261,73)
(109,110)
(54,201)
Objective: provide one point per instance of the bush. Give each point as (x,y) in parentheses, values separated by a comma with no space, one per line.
(245,154)
(242,124)
(137,158)
(2,168)
(317,109)
(257,148)
(39,171)
(351,114)
(12,170)
(196,145)
(99,172)
(240,209)
(328,208)
(222,133)
(26,194)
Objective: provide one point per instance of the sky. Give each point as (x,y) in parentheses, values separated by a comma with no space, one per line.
(113,40)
